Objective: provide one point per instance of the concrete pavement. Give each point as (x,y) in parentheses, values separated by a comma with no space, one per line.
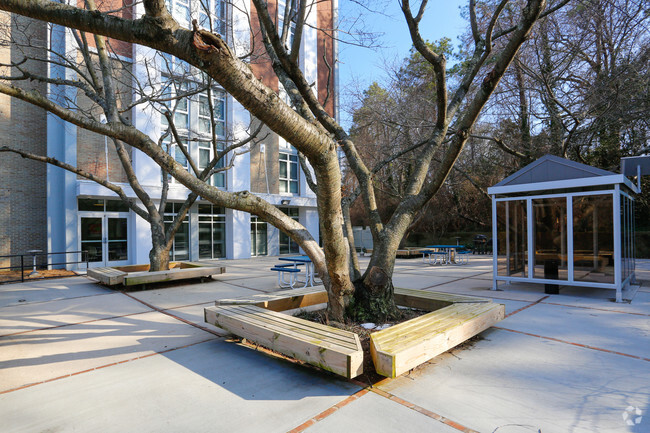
(75,356)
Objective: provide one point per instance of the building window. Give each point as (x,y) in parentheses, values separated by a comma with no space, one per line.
(288,173)
(215,9)
(288,245)
(180,249)
(206,150)
(180,10)
(258,237)
(293,16)
(194,123)
(212,232)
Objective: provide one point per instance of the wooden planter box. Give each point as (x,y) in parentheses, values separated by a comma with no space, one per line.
(453,319)
(139,274)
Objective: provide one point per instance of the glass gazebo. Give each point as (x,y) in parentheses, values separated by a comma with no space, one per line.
(561,223)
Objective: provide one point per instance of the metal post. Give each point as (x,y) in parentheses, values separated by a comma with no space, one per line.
(495,264)
(617,242)
(33,253)
(569,237)
(530,215)
(22,266)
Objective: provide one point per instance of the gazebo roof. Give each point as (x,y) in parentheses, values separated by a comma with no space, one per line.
(550,168)
(552,172)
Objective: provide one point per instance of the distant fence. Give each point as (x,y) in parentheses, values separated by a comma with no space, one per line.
(26,266)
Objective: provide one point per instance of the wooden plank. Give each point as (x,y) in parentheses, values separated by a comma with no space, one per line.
(319,331)
(108,276)
(395,352)
(277,321)
(282,300)
(411,329)
(287,339)
(431,301)
(171,275)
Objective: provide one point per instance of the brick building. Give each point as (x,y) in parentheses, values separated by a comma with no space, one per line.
(44,207)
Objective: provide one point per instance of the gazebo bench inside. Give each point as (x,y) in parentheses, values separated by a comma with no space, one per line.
(329,348)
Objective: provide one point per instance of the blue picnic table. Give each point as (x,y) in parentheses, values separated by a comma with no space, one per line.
(448,250)
(309,267)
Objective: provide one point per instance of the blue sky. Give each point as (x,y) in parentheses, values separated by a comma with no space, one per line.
(359,67)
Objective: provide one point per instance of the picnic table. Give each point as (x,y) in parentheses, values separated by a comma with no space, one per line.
(309,267)
(449,250)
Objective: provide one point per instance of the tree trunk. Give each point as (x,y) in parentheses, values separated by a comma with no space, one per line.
(373,297)
(159,253)
(338,283)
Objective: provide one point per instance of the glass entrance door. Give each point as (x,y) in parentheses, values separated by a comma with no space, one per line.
(116,242)
(105,239)
(92,240)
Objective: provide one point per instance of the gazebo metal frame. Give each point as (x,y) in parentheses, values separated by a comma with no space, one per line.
(551,177)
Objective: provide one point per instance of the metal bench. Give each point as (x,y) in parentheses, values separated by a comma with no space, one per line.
(290,269)
(432,257)
(462,257)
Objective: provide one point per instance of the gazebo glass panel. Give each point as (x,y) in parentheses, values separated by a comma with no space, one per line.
(593,238)
(512,237)
(550,237)
(627,236)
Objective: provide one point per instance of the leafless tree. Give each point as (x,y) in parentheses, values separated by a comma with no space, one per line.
(104,92)
(308,126)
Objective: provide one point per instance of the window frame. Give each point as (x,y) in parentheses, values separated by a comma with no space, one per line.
(290,161)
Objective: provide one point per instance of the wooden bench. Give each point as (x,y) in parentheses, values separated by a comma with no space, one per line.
(290,299)
(185,272)
(430,301)
(328,348)
(107,276)
(397,349)
(281,300)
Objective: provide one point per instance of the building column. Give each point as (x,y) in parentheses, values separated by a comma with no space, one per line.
(238,234)
(309,218)
(62,219)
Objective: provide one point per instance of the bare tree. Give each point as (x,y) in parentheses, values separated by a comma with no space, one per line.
(105,93)
(307,125)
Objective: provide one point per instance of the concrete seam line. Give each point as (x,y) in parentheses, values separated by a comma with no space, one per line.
(423,411)
(29,385)
(526,307)
(202,328)
(327,412)
(597,309)
(586,346)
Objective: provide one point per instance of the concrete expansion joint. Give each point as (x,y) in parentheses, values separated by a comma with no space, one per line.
(374,388)
(585,346)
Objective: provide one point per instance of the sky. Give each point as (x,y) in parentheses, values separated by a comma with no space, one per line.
(360,66)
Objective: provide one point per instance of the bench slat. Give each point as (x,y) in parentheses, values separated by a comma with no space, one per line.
(108,276)
(436,319)
(285,270)
(430,301)
(326,334)
(289,341)
(282,300)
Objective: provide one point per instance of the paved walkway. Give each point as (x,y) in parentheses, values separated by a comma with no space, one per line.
(75,356)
